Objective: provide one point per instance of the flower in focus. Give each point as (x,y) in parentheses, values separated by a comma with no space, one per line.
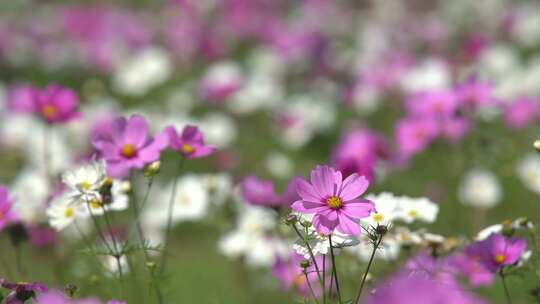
(22,291)
(128,146)
(334,201)
(7,215)
(190,144)
(480,188)
(497,251)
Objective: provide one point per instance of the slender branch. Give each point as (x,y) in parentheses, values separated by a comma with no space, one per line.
(169,216)
(310,288)
(506,291)
(334,268)
(368,268)
(312,256)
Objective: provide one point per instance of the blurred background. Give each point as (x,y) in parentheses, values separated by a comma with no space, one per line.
(278,87)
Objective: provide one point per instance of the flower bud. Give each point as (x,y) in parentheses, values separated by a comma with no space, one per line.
(291,219)
(306,224)
(304,264)
(71,289)
(152,169)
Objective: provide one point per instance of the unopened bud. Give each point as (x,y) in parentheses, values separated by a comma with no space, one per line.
(152,169)
(381,229)
(304,264)
(291,219)
(536,145)
(71,289)
(151,265)
(306,224)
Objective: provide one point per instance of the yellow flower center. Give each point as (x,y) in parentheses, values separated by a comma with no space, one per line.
(334,202)
(499,258)
(128,151)
(377,217)
(85,185)
(413,213)
(187,148)
(69,212)
(49,111)
(95,204)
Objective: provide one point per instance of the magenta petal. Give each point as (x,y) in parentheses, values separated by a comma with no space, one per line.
(348,225)
(306,191)
(358,208)
(322,178)
(201,151)
(308,207)
(323,225)
(118,127)
(136,131)
(117,170)
(353,186)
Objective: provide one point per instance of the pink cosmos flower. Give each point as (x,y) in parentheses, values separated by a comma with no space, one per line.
(414,289)
(22,291)
(128,145)
(190,143)
(7,216)
(497,251)
(440,103)
(290,274)
(414,135)
(358,152)
(260,192)
(53,104)
(521,112)
(334,201)
(474,93)
(471,267)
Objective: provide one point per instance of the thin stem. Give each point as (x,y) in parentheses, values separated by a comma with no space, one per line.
(310,288)
(310,254)
(117,254)
(506,291)
(368,268)
(169,216)
(334,268)
(98,229)
(324,278)
(137,216)
(18,259)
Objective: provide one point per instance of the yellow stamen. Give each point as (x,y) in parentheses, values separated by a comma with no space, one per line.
(85,185)
(95,204)
(128,151)
(413,213)
(69,212)
(377,217)
(334,202)
(499,258)
(49,111)
(187,148)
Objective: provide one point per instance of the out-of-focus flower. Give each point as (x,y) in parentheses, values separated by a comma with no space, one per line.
(291,275)
(144,71)
(528,170)
(497,251)
(279,165)
(387,206)
(406,289)
(21,292)
(218,129)
(358,152)
(190,144)
(480,188)
(128,146)
(417,209)
(428,75)
(221,81)
(414,135)
(334,201)
(7,215)
(521,112)
(259,192)
(53,104)
(31,190)
(388,249)
(86,181)
(471,267)
(474,93)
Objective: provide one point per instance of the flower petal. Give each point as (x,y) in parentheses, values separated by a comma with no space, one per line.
(359,208)
(353,186)
(324,225)
(348,225)
(308,207)
(323,180)
(306,191)
(136,131)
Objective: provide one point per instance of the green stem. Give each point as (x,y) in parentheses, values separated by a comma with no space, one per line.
(506,291)
(371,258)
(312,256)
(310,288)
(334,268)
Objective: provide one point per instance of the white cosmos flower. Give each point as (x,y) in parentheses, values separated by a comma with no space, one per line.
(118,200)
(430,74)
(219,187)
(413,209)
(388,250)
(480,188)
(528,170)
(63,211)
(279,165)
(85,182)
(142,72)
(30,190)
(386,205)
(219,129)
